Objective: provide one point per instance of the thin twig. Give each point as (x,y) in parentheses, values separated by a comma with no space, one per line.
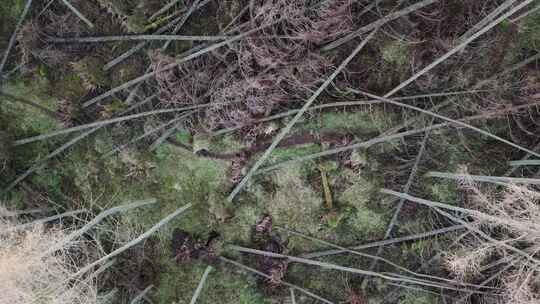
(326,265)
(134,242)
(104,123)
(368,8)
(531,227)
(168,133)
(144,135)
(374,258)
(135,38)
(457,48)
(21,177)
(108,297)
(386,242)
(485,282)
(405,286)
(177,23)
(527,13)
(163,10)
(45,8)
(297,117)
(27,102)
(7,213)
(477,86)
(378,24)
(450,120)
(172,65)
(94,127)
(14,35)
(432,259)
(41,162)
(78,13)
(8,74)
(201,285)
(141,295)
(196,5)
(80,232)
(100,270)
(350,103)
(262,274)
(47,219)
(401,202)
(168,38)
(347,250)
(385,138)
(504,244)
(484,178)
(140,103)
(528,162)
(365,144)
(487,19)
(293,297)
(139,46)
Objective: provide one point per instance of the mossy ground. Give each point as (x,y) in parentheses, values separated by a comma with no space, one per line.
(223,285)
(85,177)
(9,11)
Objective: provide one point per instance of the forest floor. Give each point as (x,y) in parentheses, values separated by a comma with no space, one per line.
(229,89)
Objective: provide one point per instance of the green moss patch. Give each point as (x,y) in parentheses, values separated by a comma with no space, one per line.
(178,282)
(417,297)
(25,118)
(10,11)
(359,123)
(529,31)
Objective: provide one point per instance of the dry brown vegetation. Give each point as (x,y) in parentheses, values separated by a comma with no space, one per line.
(509,246)
(30,273)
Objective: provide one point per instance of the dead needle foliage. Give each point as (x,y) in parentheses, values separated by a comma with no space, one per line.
(29,277)
(510,216)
